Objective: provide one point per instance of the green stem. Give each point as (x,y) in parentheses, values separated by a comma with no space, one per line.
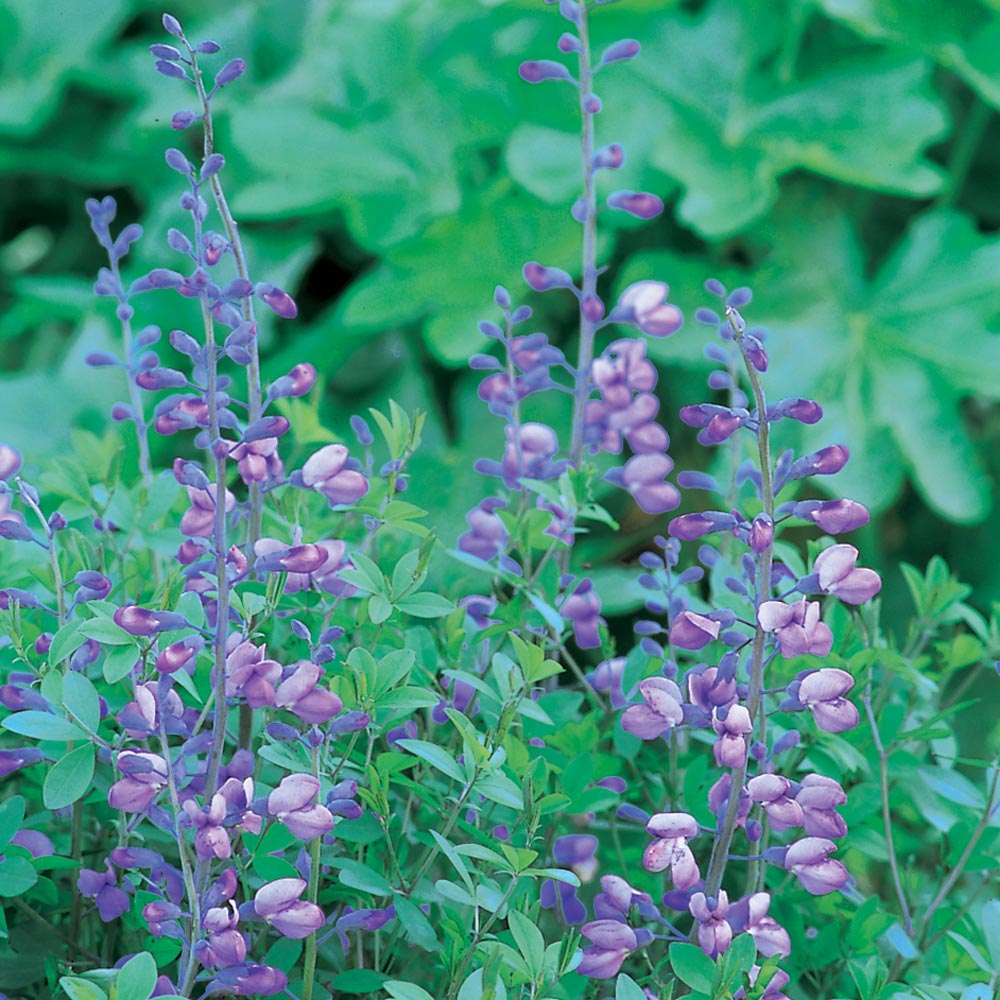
(963,151)
(883,769)
(309,963)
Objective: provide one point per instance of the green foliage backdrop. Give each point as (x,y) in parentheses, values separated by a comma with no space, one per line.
(838,155)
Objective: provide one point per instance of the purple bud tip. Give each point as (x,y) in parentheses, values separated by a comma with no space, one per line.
(208,47)
(279,301)
(10,461)
(233,70)
(715,287)
(176,160)
(627,48)
(569,43)
(212,165)
(165,52)
(172,26)
(641,204)
(592,104)
(535,71)
(183,119)
(170,69)
(100,359)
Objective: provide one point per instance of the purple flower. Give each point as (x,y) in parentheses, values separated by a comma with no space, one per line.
(143,622)
(710,688)
(714,932)
(838,575)
(809,861)
(583,609)
(36,843)
(145,774)
(279,904)
(796,627)
(529,451)
(822,692)
(291,804)
(249,674)
(617,897)
(731,724)
(249,980)
(661,712)
(818,796)
(10,462)
(301,695)
(750,915)
(577,852)
(212,838)
(611,941)
(111,901)
(14,760)
(487,536)
(644,303)
(607,676)
(327,473)
(643,476)
(670,849)
(693,631)
(833,516)
(771,791)
(198,520)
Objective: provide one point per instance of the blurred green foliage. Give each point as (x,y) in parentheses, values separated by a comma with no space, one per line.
(390,168)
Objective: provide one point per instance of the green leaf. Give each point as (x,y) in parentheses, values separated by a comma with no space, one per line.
(137,977)
(66,641)
(105,630)
(626,988)
(81,989)
(458,863)
(81,699)
(17,876)
(546,162)
(43,726)
(11,817)
(728,130)
(435,756)
(358,981)
(379,608)
(952,786)
(529,940)
(118,663)
(417,929)
(405,991)
(69,777)
(425,605)
(502,790)
(692,966)
(961,35)
(990,922)
(360,876)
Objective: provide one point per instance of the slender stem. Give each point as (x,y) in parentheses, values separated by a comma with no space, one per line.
(254,391)
(221,551)
(956,872)
(459,977)
(724,839)
(589,277)
(188,965)
(883,768)
(309,963)
(963,152)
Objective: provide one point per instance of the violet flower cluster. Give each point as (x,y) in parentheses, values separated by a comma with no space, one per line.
(611,394)
(770,614)
(180,766)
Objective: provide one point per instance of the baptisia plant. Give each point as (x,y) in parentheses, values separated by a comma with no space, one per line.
(764,811)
